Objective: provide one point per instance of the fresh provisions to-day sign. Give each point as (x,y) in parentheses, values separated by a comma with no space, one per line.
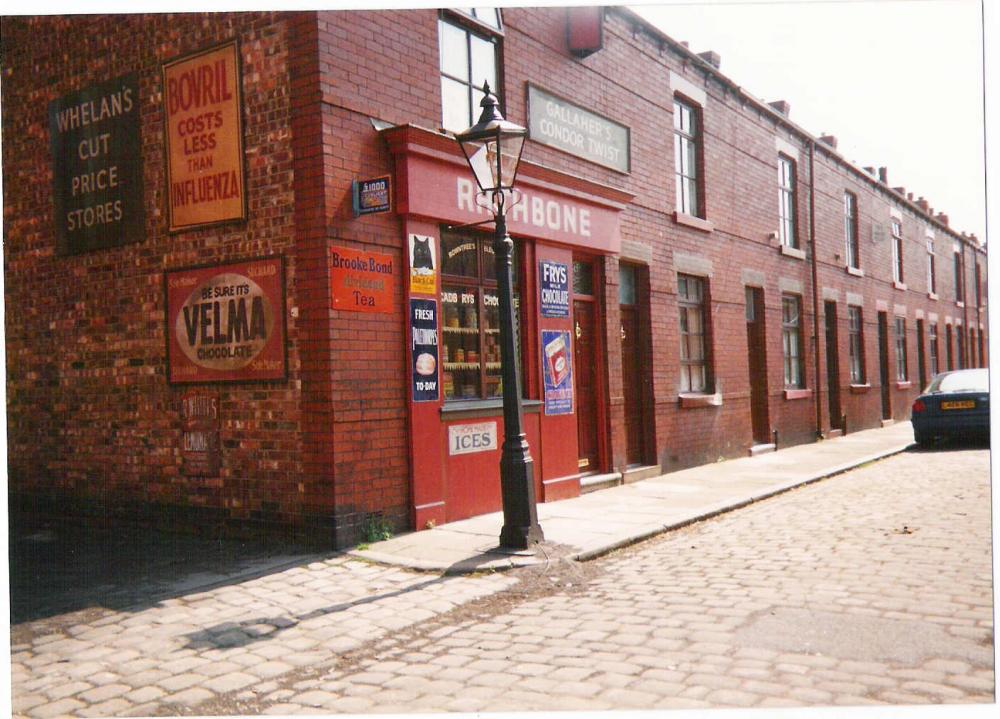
(361,281)
(471,438)
(555,122)
(424,349)
(227,323)
(423,265)
(558,369)
(97,166)
(554,288)
(205,178)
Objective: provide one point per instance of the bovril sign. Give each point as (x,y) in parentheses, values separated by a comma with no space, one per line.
(471,438)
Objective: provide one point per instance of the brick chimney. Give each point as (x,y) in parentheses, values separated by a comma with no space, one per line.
(909,196)
(711,57)
(869,170)
(923,204)
(900,190)
(781,106)
(830,140)
(942,218)
(883,175)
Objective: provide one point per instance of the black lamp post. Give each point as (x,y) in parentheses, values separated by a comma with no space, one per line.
(492,148)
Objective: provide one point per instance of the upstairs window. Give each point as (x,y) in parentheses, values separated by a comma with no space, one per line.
(959,284)
(931,278)
(694,358)
(979,288)
(786,202)
(897,251)
(468,50)
(851,231)
(791,341)
(686,158)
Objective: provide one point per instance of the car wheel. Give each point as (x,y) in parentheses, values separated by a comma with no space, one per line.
(921,438)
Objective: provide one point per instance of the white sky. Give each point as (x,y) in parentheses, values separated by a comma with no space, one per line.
(898,82)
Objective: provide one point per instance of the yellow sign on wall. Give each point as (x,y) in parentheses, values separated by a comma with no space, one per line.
(202,102)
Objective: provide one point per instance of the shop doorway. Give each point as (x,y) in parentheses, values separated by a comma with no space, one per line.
(832,366)
(585,360)
(757,364)
(636,379)
(883,363)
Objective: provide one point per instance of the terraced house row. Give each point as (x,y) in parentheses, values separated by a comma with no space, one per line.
(249,287)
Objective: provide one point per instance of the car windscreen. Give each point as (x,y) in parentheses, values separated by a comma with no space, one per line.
(973,380)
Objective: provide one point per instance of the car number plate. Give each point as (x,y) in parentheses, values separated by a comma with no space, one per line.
(963,404)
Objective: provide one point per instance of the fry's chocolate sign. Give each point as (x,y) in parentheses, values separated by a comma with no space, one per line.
(226,323)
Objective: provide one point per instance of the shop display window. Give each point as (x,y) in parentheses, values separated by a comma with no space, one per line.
(470,352)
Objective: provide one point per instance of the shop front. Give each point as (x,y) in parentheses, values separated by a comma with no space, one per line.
(562,228)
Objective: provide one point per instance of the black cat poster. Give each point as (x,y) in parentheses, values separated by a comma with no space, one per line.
(423,265)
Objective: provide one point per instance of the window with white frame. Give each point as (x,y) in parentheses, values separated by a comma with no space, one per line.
(694,356)
(931,277)
(932,346)
(786,202)
(959,284)
(897,251)
(853,250)
(791,340)
(856,345)
(902,371)
(686,158)
(468,51)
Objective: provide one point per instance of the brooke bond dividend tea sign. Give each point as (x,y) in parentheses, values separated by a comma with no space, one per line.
(227,323)
(205,178)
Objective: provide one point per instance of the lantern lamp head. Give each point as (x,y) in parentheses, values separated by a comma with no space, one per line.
(492,146)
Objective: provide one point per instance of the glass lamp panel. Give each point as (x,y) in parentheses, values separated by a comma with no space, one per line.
(454,51)
(489,173)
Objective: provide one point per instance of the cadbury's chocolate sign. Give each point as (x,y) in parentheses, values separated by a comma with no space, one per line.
(226,323)
(205,178)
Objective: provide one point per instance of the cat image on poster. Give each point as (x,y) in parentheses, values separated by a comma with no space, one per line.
(421,255)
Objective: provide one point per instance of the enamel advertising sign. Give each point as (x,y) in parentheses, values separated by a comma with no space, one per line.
(226,323)
(362,281)
(204,128)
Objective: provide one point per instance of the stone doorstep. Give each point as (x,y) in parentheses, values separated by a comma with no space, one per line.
(595,482)
(761,449)
(639,473)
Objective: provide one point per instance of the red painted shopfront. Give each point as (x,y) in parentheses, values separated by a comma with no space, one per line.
(455,434)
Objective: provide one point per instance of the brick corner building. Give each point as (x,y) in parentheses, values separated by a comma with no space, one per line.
(239,297)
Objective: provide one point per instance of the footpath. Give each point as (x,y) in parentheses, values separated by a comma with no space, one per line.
(596,523)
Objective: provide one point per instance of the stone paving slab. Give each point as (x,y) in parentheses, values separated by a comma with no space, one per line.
(596,523)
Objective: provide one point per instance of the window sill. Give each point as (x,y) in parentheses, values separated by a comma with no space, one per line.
(691,221)
(903,384)
(899,285)
(690,401)
(860,388)
(798,393)
(792,252)
(856,271)
(932,296)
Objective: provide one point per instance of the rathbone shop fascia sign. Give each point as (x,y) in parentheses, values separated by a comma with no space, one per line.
(204,131)
(227,323)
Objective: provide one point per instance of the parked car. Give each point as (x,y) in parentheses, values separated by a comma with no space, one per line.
(955,404)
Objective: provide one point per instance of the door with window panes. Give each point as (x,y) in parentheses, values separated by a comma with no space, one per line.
(470,308)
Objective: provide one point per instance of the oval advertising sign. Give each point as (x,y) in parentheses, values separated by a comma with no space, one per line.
(226,323)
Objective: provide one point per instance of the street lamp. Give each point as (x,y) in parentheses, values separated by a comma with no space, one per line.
(492,147)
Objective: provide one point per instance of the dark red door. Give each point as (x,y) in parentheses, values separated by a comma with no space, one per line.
(632,384)
(585,371)
(757,365)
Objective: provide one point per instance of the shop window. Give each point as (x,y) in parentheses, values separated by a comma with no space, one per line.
(851,230)
(687,159)
(931,278)
(932,335)
(786,202)
(691,294)
(897,251)
(469,56)
(856,345)
(791,340)
(902,371)
(470,305)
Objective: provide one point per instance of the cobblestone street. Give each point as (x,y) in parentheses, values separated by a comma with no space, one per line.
(873,586)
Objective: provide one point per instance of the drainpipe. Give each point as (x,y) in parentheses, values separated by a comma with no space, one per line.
(815,284)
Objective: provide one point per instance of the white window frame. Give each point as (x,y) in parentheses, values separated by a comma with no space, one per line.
(787,180)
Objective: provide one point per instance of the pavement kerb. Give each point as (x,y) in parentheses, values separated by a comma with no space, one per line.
(589,554)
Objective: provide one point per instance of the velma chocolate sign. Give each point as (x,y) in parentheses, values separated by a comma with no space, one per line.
(227,323)
(97,166)
(205,178)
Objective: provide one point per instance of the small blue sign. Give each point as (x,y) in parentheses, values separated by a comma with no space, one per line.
(554,284)
(557,361)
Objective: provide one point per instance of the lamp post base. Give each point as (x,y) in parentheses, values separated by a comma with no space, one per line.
(517,487)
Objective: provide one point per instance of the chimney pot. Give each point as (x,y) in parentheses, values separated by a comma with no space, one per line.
(900,190)
(883,175)
(781,106)
(711,57)
(830,140)
(909,196)
(943,218)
